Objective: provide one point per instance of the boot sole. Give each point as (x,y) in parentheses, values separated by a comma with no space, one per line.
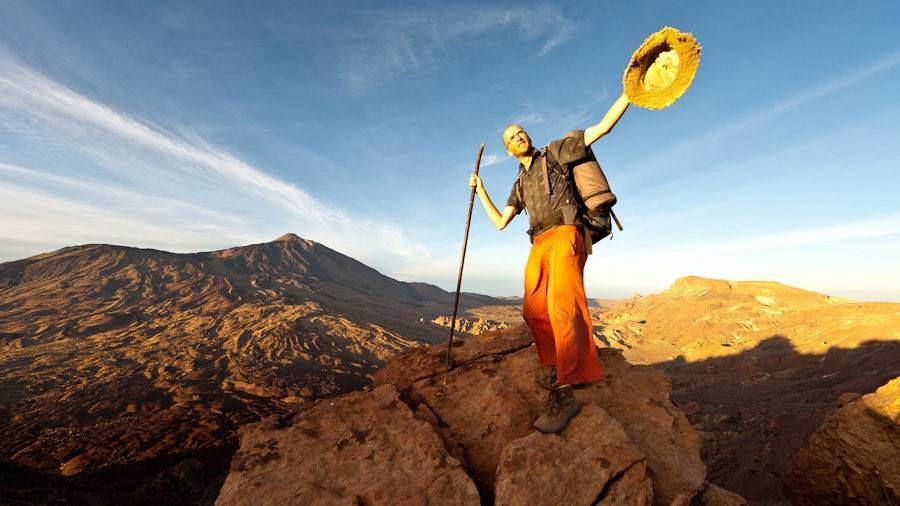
(564,424)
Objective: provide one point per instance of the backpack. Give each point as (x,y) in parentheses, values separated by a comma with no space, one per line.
(593,197)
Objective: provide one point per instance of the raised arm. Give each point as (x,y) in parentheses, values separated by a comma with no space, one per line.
(591,134)
(499,220)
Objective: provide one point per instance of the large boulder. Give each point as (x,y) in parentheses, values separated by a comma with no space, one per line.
(491,399)
(593,461)
(361,448)
(854,457)
(428,435)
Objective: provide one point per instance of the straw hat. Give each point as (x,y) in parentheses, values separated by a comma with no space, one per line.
(662,69)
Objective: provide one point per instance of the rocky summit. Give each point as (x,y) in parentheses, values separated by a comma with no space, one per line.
(119,363)
(426,436)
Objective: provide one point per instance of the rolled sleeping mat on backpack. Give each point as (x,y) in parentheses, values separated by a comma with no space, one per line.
(591,183)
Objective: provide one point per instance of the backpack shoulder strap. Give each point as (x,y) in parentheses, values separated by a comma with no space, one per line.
(544,156)
(518,184)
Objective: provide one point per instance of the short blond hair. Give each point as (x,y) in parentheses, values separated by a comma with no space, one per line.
(503,132)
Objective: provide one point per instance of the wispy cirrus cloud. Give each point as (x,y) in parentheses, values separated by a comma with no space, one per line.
(528,118)
(31,215)
(122,151)
(771,111)
(793,255)
(861,229)
(803,96)
(494,159)
(382,46)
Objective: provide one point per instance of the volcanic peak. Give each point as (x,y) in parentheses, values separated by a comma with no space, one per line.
(290,236)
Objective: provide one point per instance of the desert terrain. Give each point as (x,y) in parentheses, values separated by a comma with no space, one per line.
(756,366)
(127,374)
(118,363)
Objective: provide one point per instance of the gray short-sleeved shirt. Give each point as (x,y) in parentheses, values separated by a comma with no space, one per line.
(556,207)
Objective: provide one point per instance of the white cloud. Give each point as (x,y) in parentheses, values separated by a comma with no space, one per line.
(43,112)
(790,256)
(771,111)
(494,159)
(384,45)
(32,215)
(529,119)
(804,96)
(864,229)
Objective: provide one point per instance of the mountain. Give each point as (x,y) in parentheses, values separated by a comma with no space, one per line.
(114,357)
(757,366)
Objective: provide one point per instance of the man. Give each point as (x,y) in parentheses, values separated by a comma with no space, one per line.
(555,305)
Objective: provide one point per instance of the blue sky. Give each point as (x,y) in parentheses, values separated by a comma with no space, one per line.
(191,126)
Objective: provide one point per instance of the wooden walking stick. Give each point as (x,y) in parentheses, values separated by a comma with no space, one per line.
(462,261)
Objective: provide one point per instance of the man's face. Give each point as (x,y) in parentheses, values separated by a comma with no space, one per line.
(516,141)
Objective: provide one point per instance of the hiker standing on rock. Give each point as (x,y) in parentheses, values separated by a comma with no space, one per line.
(555,305)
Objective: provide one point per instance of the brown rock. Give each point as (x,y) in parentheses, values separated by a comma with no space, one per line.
(633,487)
(629,445)
(361,448)
(491,400)
(638,397)
(846,398)
(714,495)
(854,457)
(691,408)
(588,462)
(429,361)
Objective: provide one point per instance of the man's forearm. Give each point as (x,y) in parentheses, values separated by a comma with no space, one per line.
(489,207)
(609,120)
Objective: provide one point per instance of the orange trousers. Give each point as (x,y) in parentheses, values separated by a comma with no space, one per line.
(556,307)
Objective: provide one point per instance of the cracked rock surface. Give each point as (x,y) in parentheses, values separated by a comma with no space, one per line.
(854,457)
(361,448)
(424,436)
(593,461)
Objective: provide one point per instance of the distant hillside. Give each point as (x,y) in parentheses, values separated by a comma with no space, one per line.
(111,355)
(757,366)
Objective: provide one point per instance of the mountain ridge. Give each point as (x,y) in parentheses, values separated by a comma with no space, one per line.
(116,357)
(317,261)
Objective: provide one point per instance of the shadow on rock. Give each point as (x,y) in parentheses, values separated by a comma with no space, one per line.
(756,408)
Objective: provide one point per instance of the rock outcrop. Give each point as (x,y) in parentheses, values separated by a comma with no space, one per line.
(592,461)
(629,445)
(854,457)
(469,325)
(362,448)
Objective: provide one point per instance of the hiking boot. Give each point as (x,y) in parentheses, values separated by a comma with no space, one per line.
(562,406)
(546,377)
